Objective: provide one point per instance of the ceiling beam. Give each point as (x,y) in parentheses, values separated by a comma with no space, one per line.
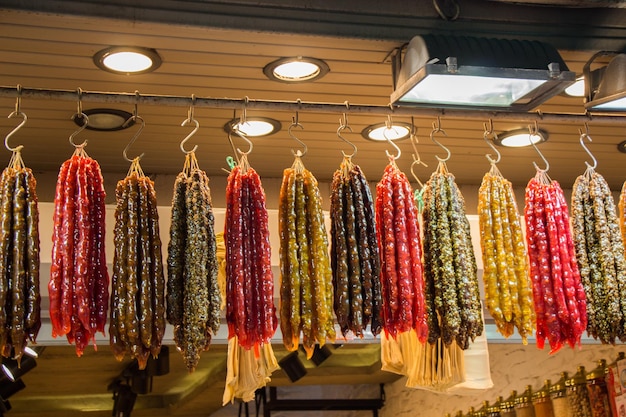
(566,28)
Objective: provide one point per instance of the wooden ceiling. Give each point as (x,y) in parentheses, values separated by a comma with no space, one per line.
(41,50)
(218,49)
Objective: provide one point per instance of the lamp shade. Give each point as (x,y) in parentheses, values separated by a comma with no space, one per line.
(479,73)
(291,365)
(607,85)
(14,370)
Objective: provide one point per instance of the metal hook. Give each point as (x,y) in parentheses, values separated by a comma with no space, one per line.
(413,138)
(193,132)
(437,129)
(12,132)
(244,112)
(295,123)
(134,138)
(15,113)
(82,116)
(190,119)
(18,99)
(232,146)
(343,125)
(416,162)
(532,132)
(397,148)
(135,110)
(79,106)
(585,135)
(489,132)
(244,137)
(437,124)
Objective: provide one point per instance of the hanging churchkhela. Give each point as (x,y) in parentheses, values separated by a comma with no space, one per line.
(193,296)
(402,281)
(559,297)
(508,292)
(622,213)
(79,280)
(403,343)
(354,252)
(600,255)
(250,310)
(137,318)
(306,291)
(453,300)
(20,318)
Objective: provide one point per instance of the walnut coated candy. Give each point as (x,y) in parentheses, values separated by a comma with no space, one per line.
(193,298)
(450,266)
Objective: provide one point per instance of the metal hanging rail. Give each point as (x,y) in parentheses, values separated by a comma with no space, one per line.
(301,106)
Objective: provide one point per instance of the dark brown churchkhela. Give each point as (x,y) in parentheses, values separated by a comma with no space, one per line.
(454,308)
(399,242)
(193,297)
(137,319)
(20,317)
(354,252)
(79,281)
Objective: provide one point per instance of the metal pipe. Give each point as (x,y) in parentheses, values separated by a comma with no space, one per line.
(301,106)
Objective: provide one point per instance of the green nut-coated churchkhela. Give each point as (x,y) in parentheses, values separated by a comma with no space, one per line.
(193,297)
(449,267)
(600,256)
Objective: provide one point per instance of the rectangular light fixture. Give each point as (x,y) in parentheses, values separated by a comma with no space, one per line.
(478,73)
(605,87)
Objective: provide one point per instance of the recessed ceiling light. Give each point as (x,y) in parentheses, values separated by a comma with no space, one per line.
(127,60)
(519,138)
(296,69)
(380,131)
(577,89)
(622,146)
(254,126)
(106,120)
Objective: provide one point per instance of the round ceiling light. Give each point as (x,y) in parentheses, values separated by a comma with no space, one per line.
(254,126)
(105,120)
(380,131)
(127,60)
(622,146)
(296,69)
(577,89)
(519,138)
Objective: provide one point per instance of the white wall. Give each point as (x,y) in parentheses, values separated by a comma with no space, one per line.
(513,366)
